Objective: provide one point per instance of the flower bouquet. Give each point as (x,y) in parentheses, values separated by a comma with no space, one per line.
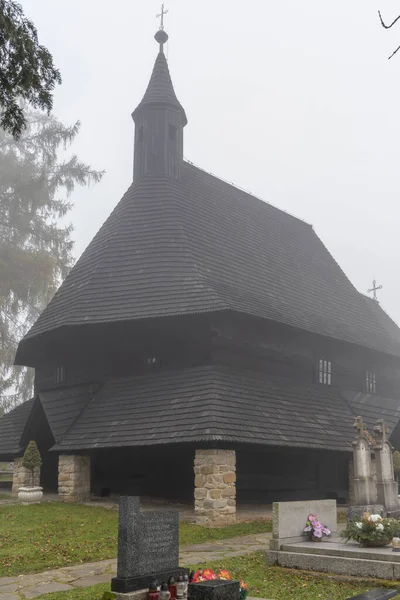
(372,531)
(314,529)
(208,574)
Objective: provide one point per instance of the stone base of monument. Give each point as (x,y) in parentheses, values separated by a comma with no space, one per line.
(217,589)
(356,512)
(141,582)
(139,595)
(334,556)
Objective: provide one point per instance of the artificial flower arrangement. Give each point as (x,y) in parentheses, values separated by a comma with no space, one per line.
(315,529)
(371,530)
(208,574)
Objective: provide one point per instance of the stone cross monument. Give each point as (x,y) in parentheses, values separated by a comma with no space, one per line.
(387,487)
(364,484)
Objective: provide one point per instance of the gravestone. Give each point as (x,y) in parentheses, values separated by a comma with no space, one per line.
(387,487)
(148,547)
(365,491)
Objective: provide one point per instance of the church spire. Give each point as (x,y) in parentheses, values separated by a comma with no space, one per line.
(159,121)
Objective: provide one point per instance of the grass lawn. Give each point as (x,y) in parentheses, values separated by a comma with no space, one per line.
(50,535)
(262,581)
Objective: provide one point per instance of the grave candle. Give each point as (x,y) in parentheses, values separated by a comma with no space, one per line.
(164,594)
(153,591)
(180,588)
(396,543)
(172,587)
(186,582)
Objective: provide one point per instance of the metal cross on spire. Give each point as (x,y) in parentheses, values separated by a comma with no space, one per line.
(161,16)
(374,289)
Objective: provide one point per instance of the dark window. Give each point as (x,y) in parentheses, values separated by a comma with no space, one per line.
(172,133)
(141,134)
(59,376)
(325,372)
(370,382)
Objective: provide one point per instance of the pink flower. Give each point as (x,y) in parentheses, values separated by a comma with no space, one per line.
(318,525)
(312,518)
(307,528)
(317,533)
(326,531)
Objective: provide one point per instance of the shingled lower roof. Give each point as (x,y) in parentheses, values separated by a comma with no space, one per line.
(12,426)
(211,404)
(199,245)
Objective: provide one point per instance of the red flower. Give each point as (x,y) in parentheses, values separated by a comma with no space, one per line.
(243,585)
(224,574)
(208,575)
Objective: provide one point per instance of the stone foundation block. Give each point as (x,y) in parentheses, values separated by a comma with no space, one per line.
(23,477)
(74,478)
(215,487)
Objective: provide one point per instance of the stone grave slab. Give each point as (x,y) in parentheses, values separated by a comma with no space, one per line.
(148,547)
(217,589)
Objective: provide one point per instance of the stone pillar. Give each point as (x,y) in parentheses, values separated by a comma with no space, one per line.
(386,484)
(215,487)
(22,476)
(73,478)
(364,484)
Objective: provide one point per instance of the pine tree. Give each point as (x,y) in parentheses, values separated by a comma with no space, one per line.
(26,68)
(32,459)
(35,247)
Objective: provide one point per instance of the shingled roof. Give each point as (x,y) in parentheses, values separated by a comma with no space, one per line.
(199,245)
(205,404)
(196,244)
(211,404)
(12,426)
(160,90)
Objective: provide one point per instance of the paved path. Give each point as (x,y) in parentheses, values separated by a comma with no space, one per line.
(25,587)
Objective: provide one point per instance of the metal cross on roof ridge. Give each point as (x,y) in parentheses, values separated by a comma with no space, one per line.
(374,289)
(161,15)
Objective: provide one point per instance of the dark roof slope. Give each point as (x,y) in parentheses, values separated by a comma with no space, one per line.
(372,408)
(12,426)
(200,245)
(63,406)
(211,404)
(160,90)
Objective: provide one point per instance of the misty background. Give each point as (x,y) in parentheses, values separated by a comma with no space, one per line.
(293,101)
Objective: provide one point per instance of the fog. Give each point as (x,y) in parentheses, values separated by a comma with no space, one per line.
(293,101)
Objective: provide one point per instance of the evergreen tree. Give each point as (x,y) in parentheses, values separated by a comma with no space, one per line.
(32,459)
(26,68)
(35,247)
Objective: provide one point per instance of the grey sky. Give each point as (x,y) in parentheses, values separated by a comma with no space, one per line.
(293,100)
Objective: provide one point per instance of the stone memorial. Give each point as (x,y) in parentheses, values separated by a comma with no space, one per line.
(216,589)
(365,491)
(387,487)
(148,547)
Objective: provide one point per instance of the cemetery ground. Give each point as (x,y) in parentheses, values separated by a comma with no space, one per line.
(53,535)
(264,582)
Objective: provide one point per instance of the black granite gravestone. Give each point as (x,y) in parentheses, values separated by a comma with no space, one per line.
(216,589)
(148,546)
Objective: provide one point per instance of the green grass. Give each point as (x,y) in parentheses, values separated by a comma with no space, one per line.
(53,535)
(195,534)
(263,582)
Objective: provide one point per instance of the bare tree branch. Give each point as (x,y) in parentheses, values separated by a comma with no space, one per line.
(389,27)
(384,24)
(393,53)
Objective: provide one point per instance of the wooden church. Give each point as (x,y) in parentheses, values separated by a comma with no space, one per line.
(206,345)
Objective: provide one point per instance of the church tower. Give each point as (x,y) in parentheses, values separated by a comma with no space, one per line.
(159,122)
